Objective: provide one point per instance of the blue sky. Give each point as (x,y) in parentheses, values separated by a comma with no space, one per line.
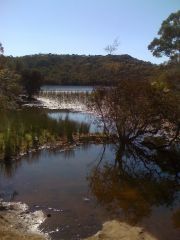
(82,26)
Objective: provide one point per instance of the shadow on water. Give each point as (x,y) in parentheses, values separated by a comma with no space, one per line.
(136,183)
(95,183)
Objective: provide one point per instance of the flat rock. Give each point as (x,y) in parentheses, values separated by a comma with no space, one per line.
(115,230)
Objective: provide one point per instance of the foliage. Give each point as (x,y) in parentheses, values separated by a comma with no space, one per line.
(133,110)
(168,43)
(83,70)
(170,76)
(9,84)
(31,80)
(23,130)
(9,88)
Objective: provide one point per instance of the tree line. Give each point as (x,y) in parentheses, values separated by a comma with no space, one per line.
(26,74)
(81,69)
(146,112)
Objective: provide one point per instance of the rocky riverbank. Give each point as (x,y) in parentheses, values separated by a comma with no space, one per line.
(18,223)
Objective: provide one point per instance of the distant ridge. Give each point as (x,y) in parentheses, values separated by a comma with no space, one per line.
(84,69)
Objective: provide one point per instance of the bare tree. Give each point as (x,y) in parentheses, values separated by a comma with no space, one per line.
(111,48)
(135,109)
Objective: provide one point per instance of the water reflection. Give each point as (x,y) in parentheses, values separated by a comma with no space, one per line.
(129,185)
(8,168)
(80,117)
(135,182)
(23,130)
(176,218)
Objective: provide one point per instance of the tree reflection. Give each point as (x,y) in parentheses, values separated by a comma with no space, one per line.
(135,182)
(22,131)
(8,168)
(176,218)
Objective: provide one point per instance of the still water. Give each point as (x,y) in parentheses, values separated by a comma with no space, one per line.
(83,187)
(58,88)
(79,117)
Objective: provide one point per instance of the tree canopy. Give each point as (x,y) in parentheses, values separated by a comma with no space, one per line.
(168,43)
(135,109)
(82,69)
(31,81)
(9,88)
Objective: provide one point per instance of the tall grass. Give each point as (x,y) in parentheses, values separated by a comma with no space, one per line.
(22,130)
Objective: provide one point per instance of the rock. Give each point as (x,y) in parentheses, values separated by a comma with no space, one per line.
(115,230)
(22,224)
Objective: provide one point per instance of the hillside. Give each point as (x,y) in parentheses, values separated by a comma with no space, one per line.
(83,70)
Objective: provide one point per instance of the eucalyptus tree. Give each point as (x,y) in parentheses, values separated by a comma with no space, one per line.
(168,43)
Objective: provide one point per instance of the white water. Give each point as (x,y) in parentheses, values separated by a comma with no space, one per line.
(55,104)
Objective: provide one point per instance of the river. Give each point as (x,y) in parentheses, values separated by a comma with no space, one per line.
(81,188)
